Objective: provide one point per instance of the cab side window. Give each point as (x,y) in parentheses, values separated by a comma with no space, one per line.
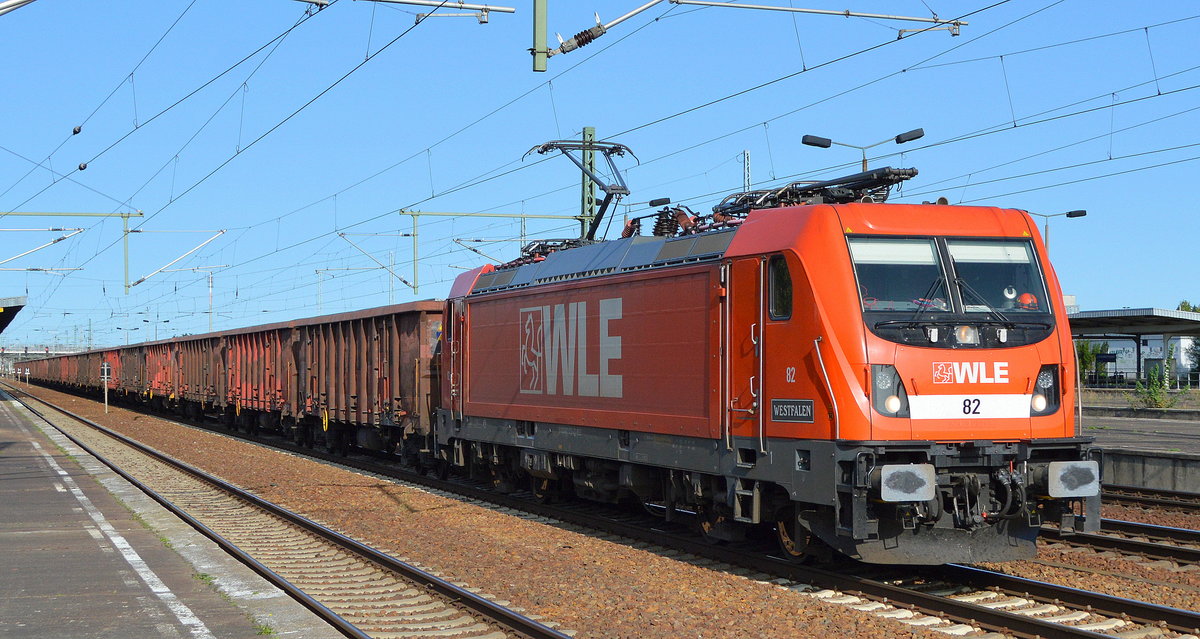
(780,287)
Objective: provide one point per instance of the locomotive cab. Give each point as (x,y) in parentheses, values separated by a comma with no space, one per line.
(968,348)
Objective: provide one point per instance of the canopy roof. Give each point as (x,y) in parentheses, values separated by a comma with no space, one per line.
(1134,321)
(8,310)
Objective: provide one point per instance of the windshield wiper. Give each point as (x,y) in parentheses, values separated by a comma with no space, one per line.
(924,302)
(963,286)
(1009,323)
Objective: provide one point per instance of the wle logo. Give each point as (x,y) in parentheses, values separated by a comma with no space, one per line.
(554,350)
(970,373)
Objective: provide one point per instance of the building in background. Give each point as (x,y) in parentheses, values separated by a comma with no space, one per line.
(1140,340)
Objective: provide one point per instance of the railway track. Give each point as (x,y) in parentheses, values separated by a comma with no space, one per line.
(954,599)
(1145,497)
(1178,545)
(360,591)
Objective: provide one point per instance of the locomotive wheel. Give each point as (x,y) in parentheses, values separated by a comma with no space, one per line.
(504,479)
(707,521)
(547,491)
(795,541)
(442,469)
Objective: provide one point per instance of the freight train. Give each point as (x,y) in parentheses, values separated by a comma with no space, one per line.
(891,382)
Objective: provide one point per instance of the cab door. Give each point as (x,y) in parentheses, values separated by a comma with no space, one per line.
(456,324)
(790,364)
(743,349)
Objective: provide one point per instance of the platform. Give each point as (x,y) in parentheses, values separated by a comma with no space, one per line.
(84,554)
(1149,451)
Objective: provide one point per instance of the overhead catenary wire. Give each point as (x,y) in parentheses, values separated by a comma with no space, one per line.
(695,197)
(471,184)
(468,180)
(79,127)
(83,165)
(272,129)
(476,182)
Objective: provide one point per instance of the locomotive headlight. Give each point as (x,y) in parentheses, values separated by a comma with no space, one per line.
(885,377)
(1046,391)
(966,334)
(887,391)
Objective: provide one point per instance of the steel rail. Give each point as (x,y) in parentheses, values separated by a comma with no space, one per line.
(1181,554)
(1021,626)
(1151,497)
(1013,624)
(1178,535)
(1181,621)
(332,618)
(513,620)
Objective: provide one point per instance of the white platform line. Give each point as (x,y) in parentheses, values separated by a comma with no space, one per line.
(184,614)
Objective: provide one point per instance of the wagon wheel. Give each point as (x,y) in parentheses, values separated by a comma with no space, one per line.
(335,441)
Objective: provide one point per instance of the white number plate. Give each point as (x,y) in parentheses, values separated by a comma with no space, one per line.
(968,406)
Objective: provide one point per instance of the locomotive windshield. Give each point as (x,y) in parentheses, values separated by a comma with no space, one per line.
(899,274)
(998,275)
(919,289)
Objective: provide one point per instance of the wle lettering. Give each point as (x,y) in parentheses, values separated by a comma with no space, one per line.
(970,373)
(554,350)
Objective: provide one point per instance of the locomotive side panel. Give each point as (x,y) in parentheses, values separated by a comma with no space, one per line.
(638,352)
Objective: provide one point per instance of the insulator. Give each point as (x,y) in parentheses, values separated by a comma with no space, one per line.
(665,224)
(632,227)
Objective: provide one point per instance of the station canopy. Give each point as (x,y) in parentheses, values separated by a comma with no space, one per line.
(8,310)
(1134,322)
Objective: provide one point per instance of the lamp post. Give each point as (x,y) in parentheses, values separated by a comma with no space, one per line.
(1046,224)
(825,143)
(127,330)
(156,322)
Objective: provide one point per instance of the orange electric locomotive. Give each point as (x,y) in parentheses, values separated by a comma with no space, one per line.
(891,382)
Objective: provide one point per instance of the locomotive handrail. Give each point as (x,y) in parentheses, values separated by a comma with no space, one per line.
(828,386)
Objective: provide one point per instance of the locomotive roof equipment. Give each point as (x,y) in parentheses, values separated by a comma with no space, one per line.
(867,186)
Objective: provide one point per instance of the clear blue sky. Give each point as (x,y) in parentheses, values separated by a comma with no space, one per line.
(1042,105)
